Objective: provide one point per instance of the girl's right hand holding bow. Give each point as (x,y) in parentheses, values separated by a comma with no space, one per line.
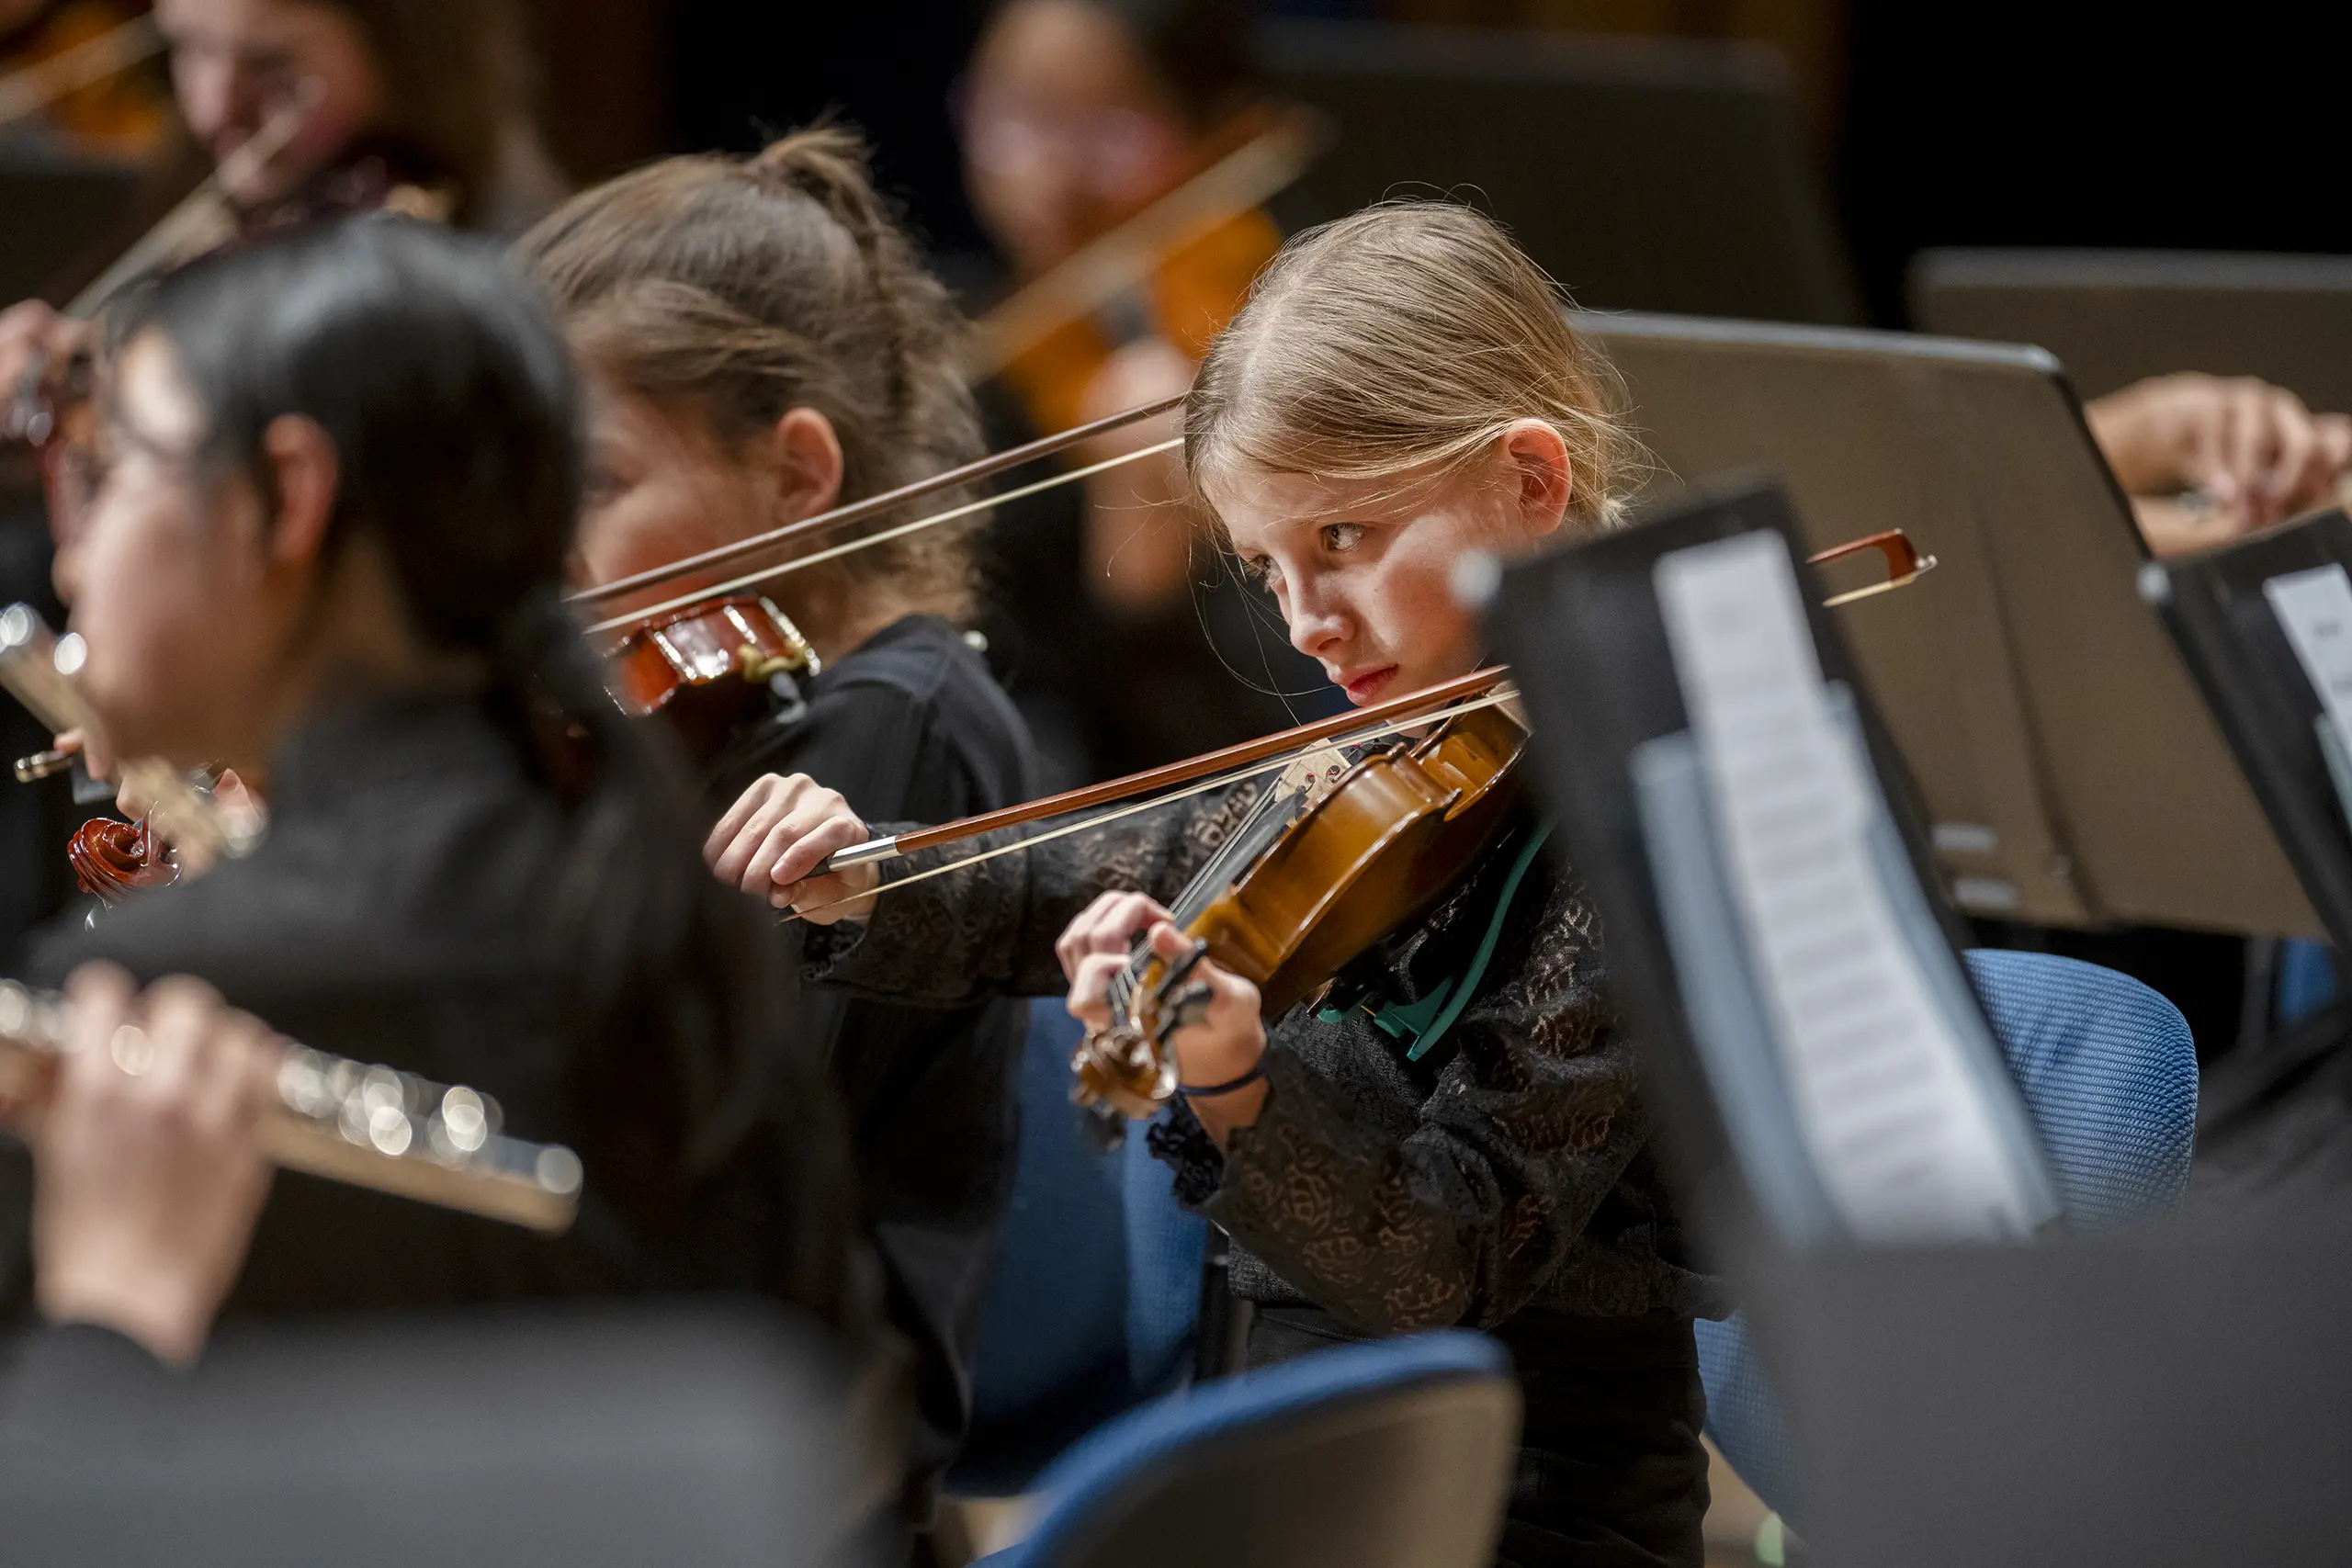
(780,830)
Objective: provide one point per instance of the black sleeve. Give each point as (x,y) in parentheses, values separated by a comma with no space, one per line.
(864,738)
(68,1378)
(889,751)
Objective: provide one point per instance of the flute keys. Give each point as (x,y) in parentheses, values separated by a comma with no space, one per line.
(558,1170)
(15,1011)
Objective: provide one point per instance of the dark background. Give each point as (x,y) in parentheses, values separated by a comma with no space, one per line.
(2029,122)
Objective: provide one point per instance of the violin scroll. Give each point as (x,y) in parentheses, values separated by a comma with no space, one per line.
(113,859)
(1124,1070)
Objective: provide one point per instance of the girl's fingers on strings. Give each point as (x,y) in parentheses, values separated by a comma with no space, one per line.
(1090,991)
(1110,925)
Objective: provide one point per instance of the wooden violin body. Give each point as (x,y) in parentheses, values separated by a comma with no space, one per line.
(1389,839)
(709,666)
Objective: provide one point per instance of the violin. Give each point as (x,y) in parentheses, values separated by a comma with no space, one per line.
(51,407)
(1185,260)
(111,860)
(1322,869)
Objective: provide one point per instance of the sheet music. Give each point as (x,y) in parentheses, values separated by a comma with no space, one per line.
(2314,607)
(1907,1145)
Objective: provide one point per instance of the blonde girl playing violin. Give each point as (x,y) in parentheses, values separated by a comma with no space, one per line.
(1401,390)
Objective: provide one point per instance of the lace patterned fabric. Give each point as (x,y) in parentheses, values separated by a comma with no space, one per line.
(1509,1167)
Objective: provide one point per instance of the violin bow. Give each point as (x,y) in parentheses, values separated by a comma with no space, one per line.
(875,506)
(1904,562)
(195,218)
(1269,162)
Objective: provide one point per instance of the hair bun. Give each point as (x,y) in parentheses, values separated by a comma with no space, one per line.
(831,167)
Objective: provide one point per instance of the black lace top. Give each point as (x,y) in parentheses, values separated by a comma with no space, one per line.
(1510,1166)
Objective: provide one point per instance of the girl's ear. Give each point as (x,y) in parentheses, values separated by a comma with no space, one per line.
(304,474)
(808,464)
(1538,460)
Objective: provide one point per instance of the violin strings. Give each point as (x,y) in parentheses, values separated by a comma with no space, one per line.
(1496,698)
(769,574)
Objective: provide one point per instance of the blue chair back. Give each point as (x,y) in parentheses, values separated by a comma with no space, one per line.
(1096,1285)
(1391,1454)
(2109,1073)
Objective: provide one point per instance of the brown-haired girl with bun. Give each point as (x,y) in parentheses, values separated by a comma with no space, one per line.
(1401,390)
(762,344)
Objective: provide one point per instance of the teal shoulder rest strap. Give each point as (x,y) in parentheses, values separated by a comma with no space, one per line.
(1424,1022)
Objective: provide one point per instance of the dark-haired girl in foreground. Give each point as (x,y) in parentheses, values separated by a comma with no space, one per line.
(340,473)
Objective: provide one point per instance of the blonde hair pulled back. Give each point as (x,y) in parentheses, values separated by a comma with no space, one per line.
(1399,344)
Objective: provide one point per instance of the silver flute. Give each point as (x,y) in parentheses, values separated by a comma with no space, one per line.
(370,1126)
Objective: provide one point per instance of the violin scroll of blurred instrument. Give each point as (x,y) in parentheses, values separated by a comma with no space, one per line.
(1259,154)
(182,827)
(367,1126)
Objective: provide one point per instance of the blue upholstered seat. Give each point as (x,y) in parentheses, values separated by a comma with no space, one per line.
(2110,1076)
(1392,1454)
(1096,1287)
(1096,1290)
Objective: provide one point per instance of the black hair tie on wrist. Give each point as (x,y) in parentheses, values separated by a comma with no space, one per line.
(1209,1092)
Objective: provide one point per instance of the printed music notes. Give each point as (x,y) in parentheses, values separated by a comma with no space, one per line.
(1905,1134)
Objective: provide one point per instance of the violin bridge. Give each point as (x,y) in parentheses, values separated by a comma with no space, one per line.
(1313,774)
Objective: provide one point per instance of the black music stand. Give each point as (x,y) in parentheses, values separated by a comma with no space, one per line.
(2113,317)
(2172,1397)
(2070,771)
(1640,795)
(1644,174)
(2167,1396)
(2231,635)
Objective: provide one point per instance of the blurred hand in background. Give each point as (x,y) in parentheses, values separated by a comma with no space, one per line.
(2209,457)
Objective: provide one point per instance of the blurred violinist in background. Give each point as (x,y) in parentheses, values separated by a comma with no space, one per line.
(289,111)
(362,102)
(1076,117)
